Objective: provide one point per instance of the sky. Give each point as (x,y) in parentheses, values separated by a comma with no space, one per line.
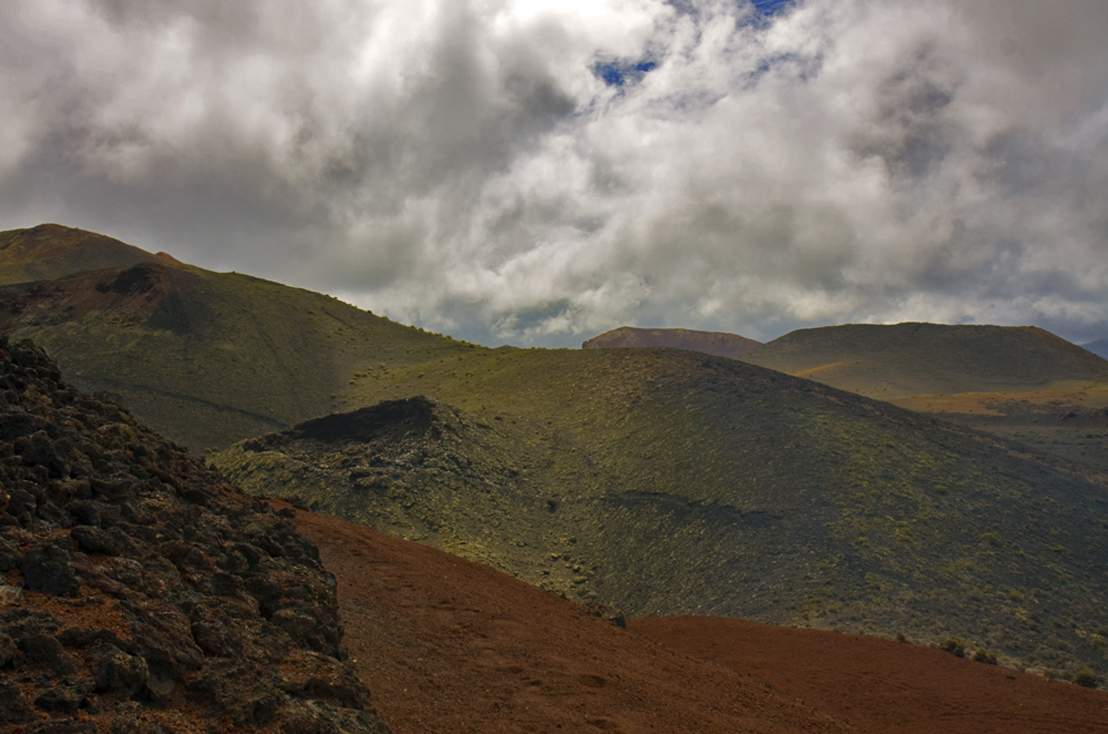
(535,172)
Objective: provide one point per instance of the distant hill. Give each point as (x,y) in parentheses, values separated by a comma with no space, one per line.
(900,360)
(667,482)
(719,343)
(205,358)
(1022,383)
(1099,347)
(51,251)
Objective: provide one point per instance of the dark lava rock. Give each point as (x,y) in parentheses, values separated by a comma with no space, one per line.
(66,698)
(117,672)
(195,589)
(48,567)
(61,726)
(10,557)
(94,540)
(46,652)
(14,708)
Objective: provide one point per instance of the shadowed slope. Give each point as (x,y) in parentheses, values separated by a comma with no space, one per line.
(720,344)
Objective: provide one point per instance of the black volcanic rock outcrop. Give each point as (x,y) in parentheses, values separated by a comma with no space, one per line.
(140,593)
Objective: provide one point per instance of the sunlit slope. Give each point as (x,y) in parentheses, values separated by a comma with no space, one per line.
(1022,383)
(901,360)
(52,251)
(207,358)
(667,482)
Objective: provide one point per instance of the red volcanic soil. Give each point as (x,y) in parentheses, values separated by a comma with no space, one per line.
(447,645)
(884,685)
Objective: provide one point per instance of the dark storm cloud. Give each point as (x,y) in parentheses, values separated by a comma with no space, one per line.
(538,171)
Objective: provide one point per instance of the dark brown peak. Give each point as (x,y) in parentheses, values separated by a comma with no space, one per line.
(718,343)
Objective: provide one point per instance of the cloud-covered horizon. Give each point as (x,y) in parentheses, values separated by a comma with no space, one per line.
(536,172)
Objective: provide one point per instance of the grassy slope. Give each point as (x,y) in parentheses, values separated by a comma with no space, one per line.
(51,251)
(208,358)
(666,482)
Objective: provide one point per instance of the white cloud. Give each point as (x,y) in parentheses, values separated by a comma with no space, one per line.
(465,164)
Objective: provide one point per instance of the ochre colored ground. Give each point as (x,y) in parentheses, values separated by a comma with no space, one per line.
(447,645)
(1063,394)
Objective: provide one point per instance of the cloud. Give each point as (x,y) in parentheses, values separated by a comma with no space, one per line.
(538,171)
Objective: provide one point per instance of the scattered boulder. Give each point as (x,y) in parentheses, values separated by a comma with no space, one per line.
(48,567)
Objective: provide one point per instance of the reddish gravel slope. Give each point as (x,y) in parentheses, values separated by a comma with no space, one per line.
(447,645)
(887,686)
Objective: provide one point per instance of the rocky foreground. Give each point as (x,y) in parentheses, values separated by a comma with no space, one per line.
(140,593)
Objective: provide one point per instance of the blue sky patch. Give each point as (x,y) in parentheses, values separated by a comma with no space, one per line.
(771,7)
(616,73)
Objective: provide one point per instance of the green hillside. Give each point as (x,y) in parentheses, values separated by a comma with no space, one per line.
(51,251)
(667,482)
(205,358)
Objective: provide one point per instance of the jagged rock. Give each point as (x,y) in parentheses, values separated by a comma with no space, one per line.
(45,651)
(8,650)
(94,540)
(117,672)
(203,591)
(14,708)
(10,557)
(66,698)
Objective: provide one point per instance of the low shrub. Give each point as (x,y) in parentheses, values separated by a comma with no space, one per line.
(955,646)
(1085,678)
